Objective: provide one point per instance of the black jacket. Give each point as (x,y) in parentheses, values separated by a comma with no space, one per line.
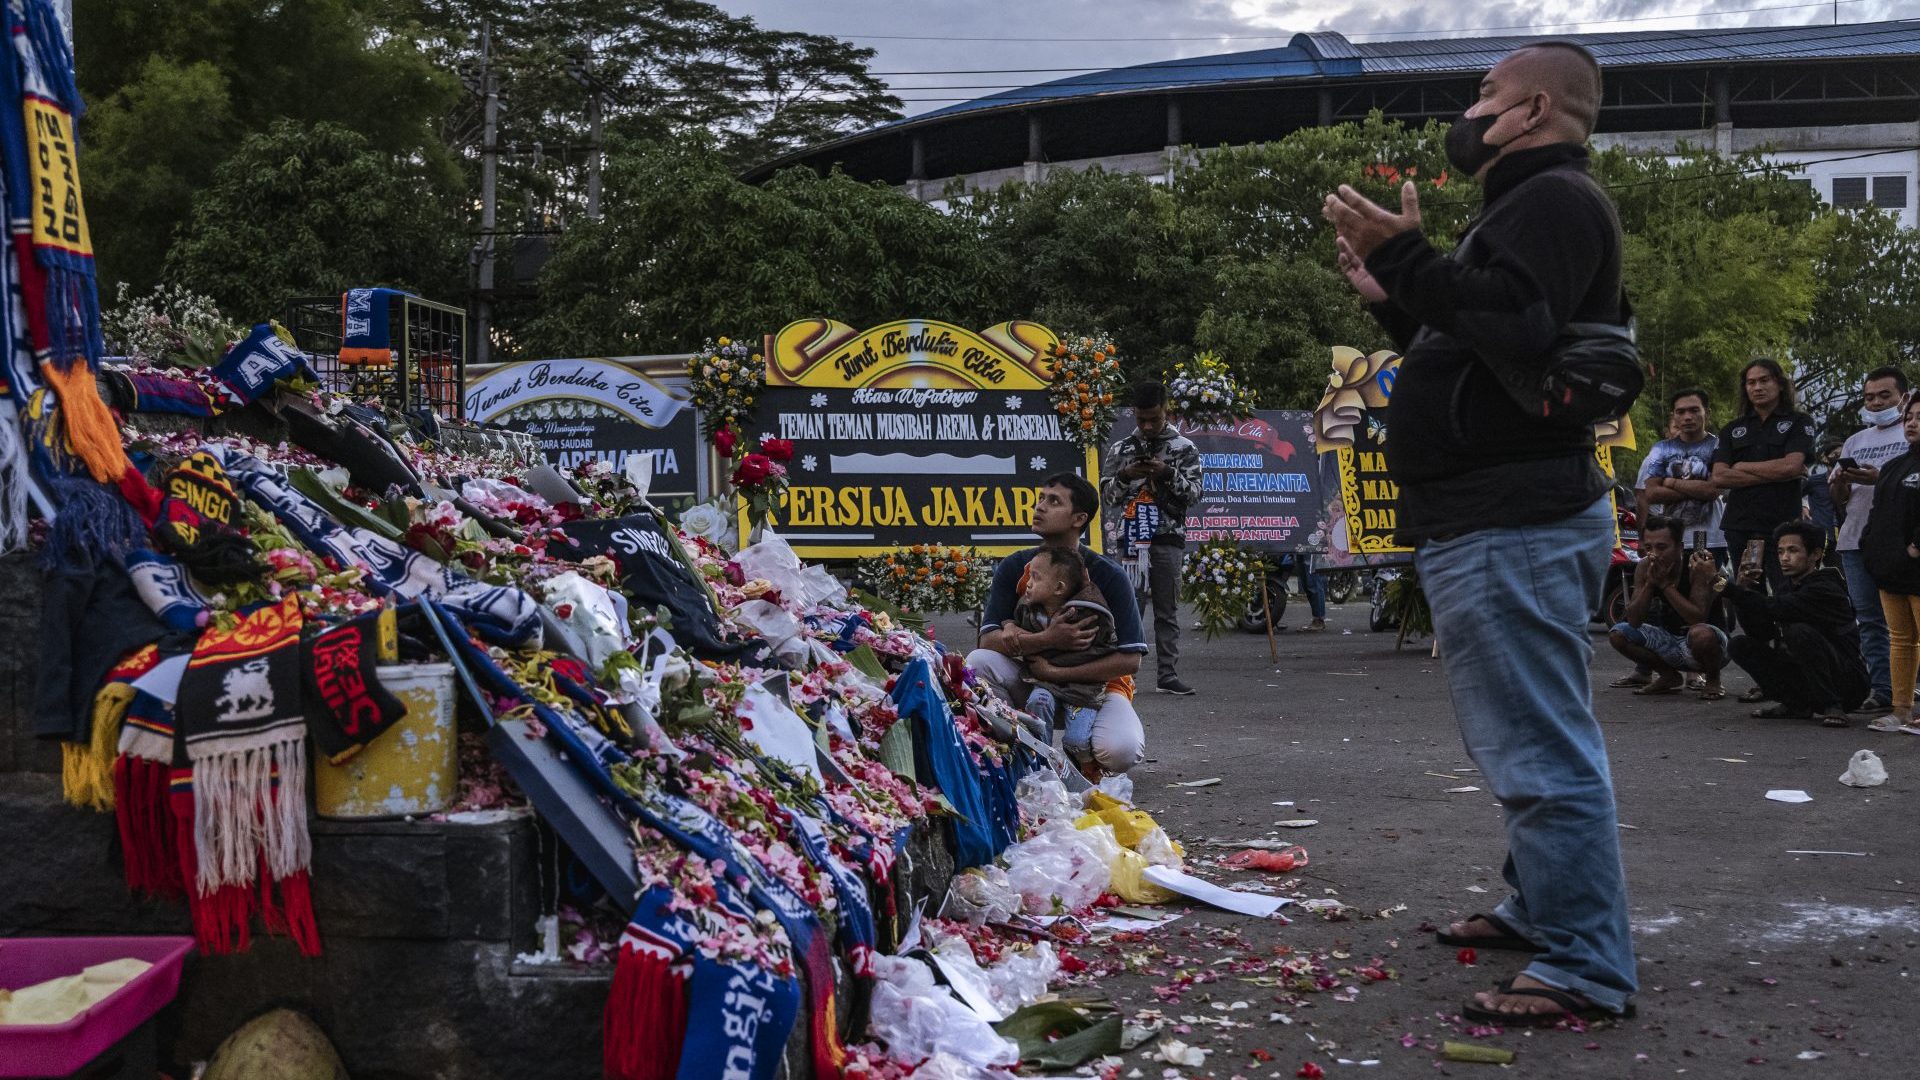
(1819,600)
(1544,251)
(1893,524)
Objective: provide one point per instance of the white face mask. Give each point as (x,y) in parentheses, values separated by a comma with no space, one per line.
(1880,417)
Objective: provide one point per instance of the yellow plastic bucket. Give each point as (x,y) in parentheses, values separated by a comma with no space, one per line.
(412,768)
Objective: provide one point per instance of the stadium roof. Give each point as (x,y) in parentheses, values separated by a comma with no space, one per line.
(1257,94)
(1329,55)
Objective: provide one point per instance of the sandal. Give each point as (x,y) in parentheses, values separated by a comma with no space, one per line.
(1571,1008)
(1753,696)
(1656,690)
(1833,718)
(1781,712)
(1712,693)
(1504,938)
(1626,681)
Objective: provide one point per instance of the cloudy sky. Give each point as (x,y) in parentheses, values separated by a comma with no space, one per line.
(1077,35)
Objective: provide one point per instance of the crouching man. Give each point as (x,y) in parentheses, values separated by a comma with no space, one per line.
(1667,633)
(1801,646)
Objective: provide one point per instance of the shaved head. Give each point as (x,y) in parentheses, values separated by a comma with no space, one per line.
(1566,72)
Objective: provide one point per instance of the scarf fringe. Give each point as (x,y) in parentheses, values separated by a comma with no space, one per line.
(93,523)
(15,476)
(250,803)
(296,898)
(92,433)
(148,845)
(86,771)
(644,1026)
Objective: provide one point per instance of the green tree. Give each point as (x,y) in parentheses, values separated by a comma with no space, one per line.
(174,86)
(1867,312)
(314,209)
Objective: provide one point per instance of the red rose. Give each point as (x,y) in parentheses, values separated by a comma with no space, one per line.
(753,469)
(777,449)
(725,441)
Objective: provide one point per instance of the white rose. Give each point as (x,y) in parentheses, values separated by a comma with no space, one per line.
(704,520)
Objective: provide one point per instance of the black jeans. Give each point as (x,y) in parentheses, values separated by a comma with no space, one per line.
(1798,667)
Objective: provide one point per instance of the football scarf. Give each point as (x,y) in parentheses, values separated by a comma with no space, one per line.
(347,708)
(503,614)
(265,357)
(692,828)
(143,803)
(164,587)
(364,337)
(86,769)
(244,804)
(52,248)
(661,980)
(198,524)
(147,393)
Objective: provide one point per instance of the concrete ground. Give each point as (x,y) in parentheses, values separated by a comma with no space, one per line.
(1753,961)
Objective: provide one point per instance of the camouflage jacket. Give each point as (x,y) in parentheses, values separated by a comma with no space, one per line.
(1172,495)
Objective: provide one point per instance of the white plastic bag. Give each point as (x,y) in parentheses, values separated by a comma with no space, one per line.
(981,895)
(1020,978)
(1157,848)
(590,612)
(1044,798)
(918,1019)
(1865,769)
(1120,786)
(781,630)
(1062,868)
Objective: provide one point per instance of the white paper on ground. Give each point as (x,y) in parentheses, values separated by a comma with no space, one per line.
(1207,892)
(778,731)
(1793,795)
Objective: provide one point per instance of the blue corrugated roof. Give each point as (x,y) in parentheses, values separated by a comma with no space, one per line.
(1330,55)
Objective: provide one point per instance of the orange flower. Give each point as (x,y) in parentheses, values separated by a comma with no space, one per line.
(1086,425)
(1106,399)
(935,581)
(961,570)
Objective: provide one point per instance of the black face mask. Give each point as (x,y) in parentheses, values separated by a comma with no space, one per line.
(1467,147)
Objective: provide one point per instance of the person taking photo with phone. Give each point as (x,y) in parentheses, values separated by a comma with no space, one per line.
(1852,485)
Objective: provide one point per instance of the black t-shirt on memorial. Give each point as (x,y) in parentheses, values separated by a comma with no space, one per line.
(1751,439)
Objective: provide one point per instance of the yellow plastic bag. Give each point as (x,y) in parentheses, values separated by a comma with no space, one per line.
(1129,825)
(1129,885)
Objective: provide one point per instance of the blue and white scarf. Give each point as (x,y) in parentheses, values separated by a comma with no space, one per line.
(503,614)
(263,358)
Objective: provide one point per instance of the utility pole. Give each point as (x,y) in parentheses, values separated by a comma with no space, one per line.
(489,174)
(595,152)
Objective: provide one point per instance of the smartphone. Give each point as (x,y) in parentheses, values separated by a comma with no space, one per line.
(1754,556)
(1849,464)
(1699,540)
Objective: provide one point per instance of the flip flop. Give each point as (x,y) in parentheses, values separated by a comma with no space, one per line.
(1753,696)
(1571,1008)
(1651,690)
(1833,719)
(1626,681)
(1504,939)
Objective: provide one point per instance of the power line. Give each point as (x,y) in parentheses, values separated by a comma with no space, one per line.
(1823,4)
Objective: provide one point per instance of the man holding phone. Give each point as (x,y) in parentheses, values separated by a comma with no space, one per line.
(1667,631)
(1676,477)
(1851,485)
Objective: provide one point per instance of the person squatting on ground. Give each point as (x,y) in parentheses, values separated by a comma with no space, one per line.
(1508,511)
(1058,588)
(1060,515)
(1668,629)
(1761,462)
(1799,644)
(1890,547)
(1149,480)
(1852,485)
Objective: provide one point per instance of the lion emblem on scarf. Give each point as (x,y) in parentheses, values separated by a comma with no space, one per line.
(246,693)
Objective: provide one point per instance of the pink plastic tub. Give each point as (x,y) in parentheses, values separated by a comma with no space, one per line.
(59,1049)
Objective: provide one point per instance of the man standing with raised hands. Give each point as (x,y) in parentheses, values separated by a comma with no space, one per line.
(1508,511)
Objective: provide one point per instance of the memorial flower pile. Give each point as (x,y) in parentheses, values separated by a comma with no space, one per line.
(761,477)
(1205,390)
(1222,581)
(725,379)
(1086,376)
(929,578)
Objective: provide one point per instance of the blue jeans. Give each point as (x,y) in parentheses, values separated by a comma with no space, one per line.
(1313,583)
(1873,623)
(1510,609)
